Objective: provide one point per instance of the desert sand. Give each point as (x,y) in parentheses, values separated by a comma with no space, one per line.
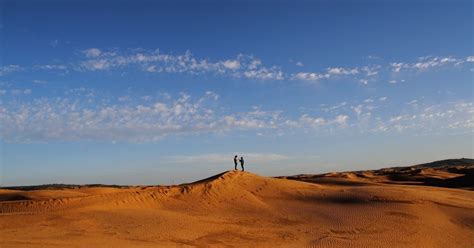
(418,206)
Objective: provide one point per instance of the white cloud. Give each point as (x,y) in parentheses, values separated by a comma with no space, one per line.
(341,120)
(393,81)
(317,122)
(373,57)
(17,92)
(96,64)
(339,72)
(312,121)
(334,107)
(358,109)
(254,64)
(425,63)
(396,118)
(243,66)
(8,69)
(50,67)
(82,115)
(151,68)
(264,73)
(92,52)
(231,64)
(75,119)
(371,70)
(342,71)
(397,67)
(310,76)
(438,118)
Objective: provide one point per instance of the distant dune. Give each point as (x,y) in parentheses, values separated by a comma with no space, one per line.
(450,173)
(430,205)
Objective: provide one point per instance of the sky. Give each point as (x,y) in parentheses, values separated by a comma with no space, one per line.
(166,92)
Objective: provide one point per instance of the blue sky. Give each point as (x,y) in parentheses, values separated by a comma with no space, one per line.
(141,92)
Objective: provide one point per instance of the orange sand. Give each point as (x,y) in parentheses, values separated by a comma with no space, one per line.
(236,209)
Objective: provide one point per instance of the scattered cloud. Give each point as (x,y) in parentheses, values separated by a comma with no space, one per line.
(17,92)
(309,76)
(433,118)
(273,73)
(242,66)
(335,107)
(8,69)
(50,67)
(342,71)
(309,121)
(92,52)
(231,64)
(155,61)
(84,115)
(373,57)
(427,62)
(74,118)
(371,71)
(297,63)
(361,74)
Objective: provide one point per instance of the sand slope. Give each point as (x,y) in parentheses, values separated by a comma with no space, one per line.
(241,209)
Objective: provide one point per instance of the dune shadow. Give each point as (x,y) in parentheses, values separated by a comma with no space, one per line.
(464,181)
(353,199)
(13,197)
(399,177)
(336,199)
(211,178)
(330,181)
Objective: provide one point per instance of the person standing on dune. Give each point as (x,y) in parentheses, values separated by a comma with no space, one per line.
(235,162)
(242,162)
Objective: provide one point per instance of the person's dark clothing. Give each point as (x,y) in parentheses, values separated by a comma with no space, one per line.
(235,163)
(242,163)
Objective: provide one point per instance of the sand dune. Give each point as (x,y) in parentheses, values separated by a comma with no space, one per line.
(235,209)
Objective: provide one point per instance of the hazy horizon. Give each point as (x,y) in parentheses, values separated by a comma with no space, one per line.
(162,92)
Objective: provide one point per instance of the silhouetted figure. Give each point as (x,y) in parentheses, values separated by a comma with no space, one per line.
(235,162)
(242,163)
